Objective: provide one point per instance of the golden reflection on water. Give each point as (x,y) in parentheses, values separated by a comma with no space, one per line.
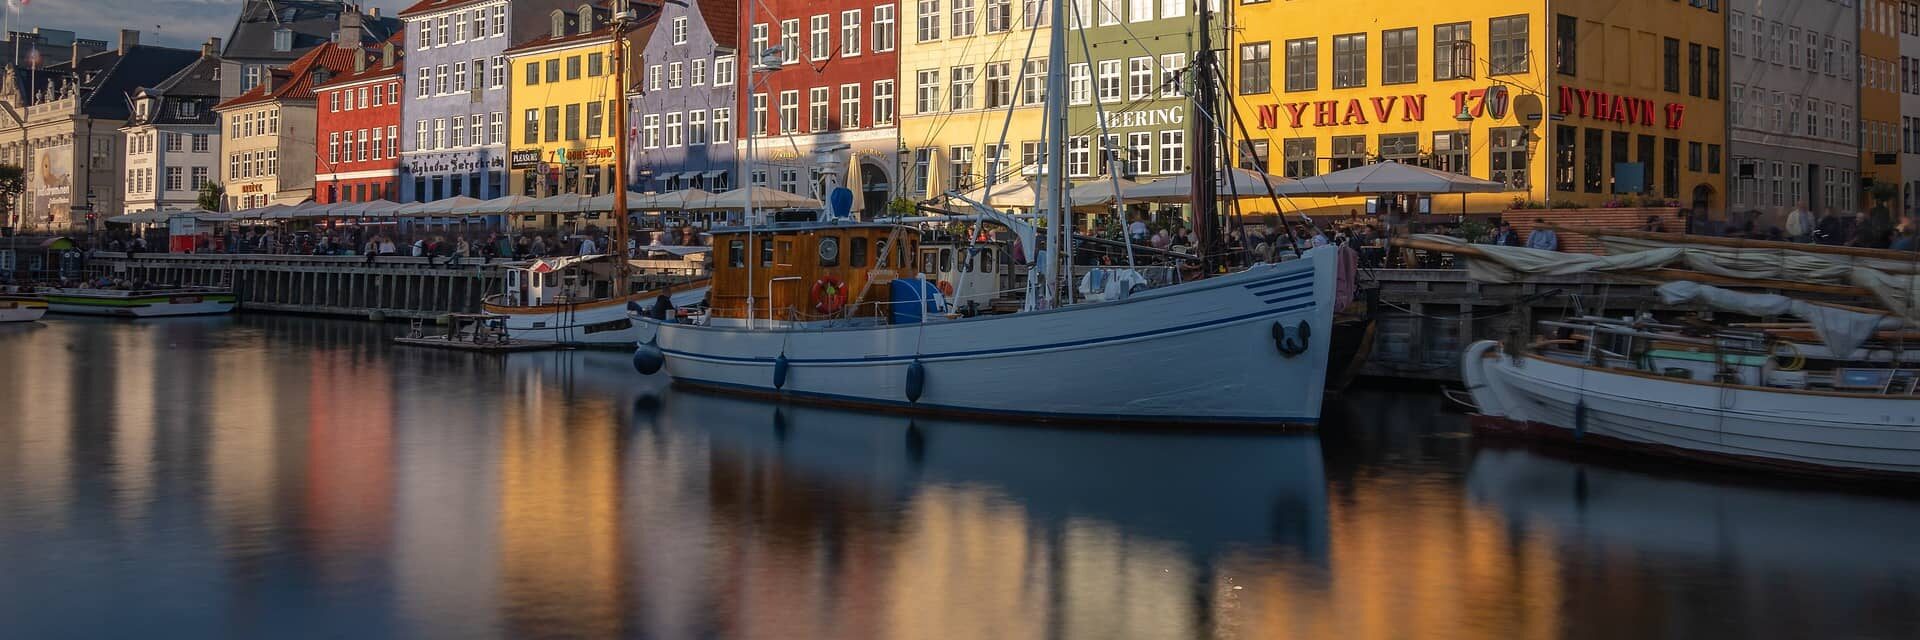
(529,496)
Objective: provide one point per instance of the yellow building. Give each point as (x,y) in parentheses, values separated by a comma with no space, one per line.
(564,103)
(1595,102)
(1880,87)
(960,73)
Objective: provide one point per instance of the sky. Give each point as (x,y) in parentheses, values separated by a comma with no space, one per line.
(174,23)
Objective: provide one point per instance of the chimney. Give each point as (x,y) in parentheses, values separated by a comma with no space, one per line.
(386,55)
(349,28)
(211,48)
(129,38)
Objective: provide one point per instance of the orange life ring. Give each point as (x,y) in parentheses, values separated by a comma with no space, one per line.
(946,288)
(829,295)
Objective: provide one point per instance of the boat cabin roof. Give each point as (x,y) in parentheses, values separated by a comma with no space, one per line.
(802,227)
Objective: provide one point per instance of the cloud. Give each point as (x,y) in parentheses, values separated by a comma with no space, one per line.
(174,23)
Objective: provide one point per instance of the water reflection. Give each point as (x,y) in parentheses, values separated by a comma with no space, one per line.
(284,477)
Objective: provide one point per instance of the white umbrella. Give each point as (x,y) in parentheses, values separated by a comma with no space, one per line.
(681,200)
(1100,192)
(763,198)
(1245,183)
(1388,177)
(502,205)
(374,209)
(853,183)
(1013,193)
(308,209)
(456,205)
(563,203)
(604,202)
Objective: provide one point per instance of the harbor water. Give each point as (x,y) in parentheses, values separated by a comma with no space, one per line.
(276,477)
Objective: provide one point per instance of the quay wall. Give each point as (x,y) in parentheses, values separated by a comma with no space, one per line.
(391,286)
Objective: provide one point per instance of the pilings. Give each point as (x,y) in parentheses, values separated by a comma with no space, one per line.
(388,286)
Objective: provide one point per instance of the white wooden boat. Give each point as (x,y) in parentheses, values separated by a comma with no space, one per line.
(1246,348)
(21,308)
(569,301)
(1731,408)
(150,303)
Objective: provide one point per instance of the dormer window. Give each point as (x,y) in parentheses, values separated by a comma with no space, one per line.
(586,18)
(283,39)
(140,108)
(189,109)
(559,23)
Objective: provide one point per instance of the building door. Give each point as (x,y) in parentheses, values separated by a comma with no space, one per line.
(1816,190)
(876,192)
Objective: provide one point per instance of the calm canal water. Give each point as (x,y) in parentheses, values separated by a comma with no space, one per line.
(259,477)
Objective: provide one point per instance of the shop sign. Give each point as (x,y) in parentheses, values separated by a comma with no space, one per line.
(460,165)
(1143,118)
(1331,113)
(1600,105)
(525,158)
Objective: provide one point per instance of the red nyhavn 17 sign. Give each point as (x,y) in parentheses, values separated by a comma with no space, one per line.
(1600,105)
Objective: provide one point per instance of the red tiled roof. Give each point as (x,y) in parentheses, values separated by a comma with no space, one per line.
(373,70)
(549,40)
(723,21)
(298,83)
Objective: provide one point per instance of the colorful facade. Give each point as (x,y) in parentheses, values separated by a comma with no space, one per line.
(833,102)
(1128,102)
(562,137)
(173,138)
(1910,104)
(269,144)
(687,120)
(1591,104)
(357,128)
(963,82)
(1791,103)
(1879,69)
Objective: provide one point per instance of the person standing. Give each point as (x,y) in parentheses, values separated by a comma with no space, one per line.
(1800,223)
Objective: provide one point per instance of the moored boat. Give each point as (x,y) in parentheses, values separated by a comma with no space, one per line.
(570,301)
(140,303)
(21,308)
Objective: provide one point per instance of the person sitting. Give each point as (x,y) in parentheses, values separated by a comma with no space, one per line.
(1542,237)
(1504,234)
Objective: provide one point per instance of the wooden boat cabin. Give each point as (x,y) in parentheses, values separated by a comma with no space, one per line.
(559,281)
(970,273)
(820,272)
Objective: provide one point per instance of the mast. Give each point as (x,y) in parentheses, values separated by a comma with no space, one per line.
(623,19)
(1206,198)
(1056,115)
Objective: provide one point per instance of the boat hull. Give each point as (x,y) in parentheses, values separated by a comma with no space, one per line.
(1785,430)
(139,304)
(598,323)
(1202,352)
(21,309)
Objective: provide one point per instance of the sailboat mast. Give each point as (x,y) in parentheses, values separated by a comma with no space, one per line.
(1206,198)
(623,19)
(1061,215)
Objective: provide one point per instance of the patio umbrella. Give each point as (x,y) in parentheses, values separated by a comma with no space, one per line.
(1245,183)
(502,205)
(763,198)
(1100,192)
(373,209)
(853,183)
(681,200)
(1013,193)
(1388,177)
(563,203)
(604,202)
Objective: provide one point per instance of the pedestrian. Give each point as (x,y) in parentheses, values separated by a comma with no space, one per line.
(1543,238)
(1800,223)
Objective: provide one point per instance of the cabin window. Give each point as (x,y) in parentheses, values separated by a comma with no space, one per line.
(946,260)
(857,255)
(766,252)
(906,256)
(829,250)
(967,258)
(987,262)
(880,250)
(737,253)
(785,254)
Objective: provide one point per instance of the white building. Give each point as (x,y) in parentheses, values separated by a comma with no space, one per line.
(1910,103)
(1794,105)
(172,138)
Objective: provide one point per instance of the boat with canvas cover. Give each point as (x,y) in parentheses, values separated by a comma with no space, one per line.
(140,303)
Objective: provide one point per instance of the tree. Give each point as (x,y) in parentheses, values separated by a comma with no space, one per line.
(13,182)
(213,196)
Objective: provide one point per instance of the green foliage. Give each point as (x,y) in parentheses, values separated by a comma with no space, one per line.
(1474,231)
(13,182)
(213,196)
(901,207)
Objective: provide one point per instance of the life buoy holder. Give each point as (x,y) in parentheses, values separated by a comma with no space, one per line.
(946,288)
(1291,342)
(829,295)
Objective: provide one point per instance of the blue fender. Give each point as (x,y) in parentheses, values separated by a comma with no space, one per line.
(916,380)
(647,358)
(780,371)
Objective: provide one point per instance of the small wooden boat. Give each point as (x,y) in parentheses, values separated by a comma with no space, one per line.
(479,332)
(146,303)
(21,308)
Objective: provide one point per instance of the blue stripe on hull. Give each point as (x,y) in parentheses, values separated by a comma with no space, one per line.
(922,407)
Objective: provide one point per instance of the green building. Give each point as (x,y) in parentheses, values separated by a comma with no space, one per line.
(1127,65)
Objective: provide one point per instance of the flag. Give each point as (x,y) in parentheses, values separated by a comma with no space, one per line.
(33,57)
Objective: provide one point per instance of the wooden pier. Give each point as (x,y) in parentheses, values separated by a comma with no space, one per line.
(387,287)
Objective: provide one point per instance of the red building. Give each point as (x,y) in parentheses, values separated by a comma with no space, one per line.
(357,129)
(836,86)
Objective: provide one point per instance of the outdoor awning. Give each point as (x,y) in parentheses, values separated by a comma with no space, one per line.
(1389,177)
(1100,192)
(502,205)
(563,203)
(673,200)
(761,197)
(1243,183)
(714,173)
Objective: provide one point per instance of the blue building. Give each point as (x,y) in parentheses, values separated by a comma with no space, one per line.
(454,122)
(681,115)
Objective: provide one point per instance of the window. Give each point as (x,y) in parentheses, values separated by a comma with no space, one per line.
(850,33)
(655,76)
(439,133)
(1303,64)
(1509,157)
(460,127)
(650,131)
(1399,56)
(199,178)
(1566,47)
(999,15)
(820,40)
(1108,12)
(1348,152)
(1038,13)
(1670,67)
(496,128)
(960,168)
(673,130)
(333,101)
(1253,155)
(1350,60)
(757,123)
(1508,45)
(1139,153)
(553,70)
(1737,33)
(282,39)
(1592,166)
(173,141)
(883,28)
(1452,151)
(1565,146)
(1776,49)
(922,163)
(499,20)
(333,148)
(817,109)
(1670,167)
(1695,151)
(1693,69)
(201,143)
(1140,78)
(1139,10)
(963,19)
(697,72)
(1079,84)
(596,118)
(573,67)
(960,96)
(722,125)
(680,30)
(723,71)
(531,76)
(882,103)
(1170,67)
(1713,73)
(1173,151)
(927,96)
(1793,47)
(1401,147)
(1109,81)
(1078,148)
(849,106)
(790,41)
(929,21)
(999,84)
(789,111)
(676,74)
(758,44)
(1033,83)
